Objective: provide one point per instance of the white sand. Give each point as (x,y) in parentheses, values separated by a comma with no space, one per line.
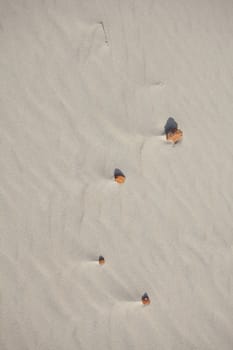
(87,86)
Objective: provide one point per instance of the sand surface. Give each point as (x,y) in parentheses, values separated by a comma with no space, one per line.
(86,87)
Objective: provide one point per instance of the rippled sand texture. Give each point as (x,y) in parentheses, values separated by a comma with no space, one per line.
(87,87)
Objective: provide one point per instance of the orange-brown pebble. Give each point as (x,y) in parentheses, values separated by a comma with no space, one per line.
(174,135)
(120,179)
(145,299)
(101,260)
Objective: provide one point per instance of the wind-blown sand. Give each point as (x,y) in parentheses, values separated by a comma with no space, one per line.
(87,87)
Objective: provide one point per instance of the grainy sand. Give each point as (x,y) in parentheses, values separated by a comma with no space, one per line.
(86,87)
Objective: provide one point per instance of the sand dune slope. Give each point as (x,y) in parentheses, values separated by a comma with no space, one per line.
(87,87)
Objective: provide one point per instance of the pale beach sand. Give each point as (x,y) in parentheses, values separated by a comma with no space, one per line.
(86,87)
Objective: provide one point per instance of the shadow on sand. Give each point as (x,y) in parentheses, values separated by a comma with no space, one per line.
(118,172)
(170,125)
